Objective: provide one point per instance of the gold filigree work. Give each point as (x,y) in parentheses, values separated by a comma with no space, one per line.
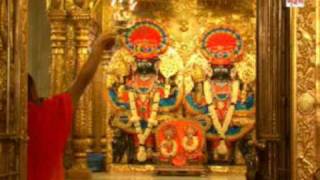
(151,169)
(304,54)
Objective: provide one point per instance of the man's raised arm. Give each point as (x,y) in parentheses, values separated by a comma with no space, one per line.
(104,41)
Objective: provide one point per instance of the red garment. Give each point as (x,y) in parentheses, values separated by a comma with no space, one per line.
(49,125)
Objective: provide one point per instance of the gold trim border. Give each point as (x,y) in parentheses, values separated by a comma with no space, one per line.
(150,169)
(293,48)
(305,94)
(318,78)
(230,170)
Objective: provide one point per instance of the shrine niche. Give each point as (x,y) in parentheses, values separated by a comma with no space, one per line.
(168,71)
(178,91)
(217,78)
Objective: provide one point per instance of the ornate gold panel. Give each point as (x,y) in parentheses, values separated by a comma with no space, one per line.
(150,169)
(13,92)
(305,55)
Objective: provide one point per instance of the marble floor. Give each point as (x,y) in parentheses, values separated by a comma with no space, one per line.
(104,176)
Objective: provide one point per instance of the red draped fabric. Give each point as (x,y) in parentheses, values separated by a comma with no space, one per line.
(49,125)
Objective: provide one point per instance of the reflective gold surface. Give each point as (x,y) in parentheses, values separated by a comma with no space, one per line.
(118,176)
(185,25)
(13,89)
(318,78)
(305,72)
(71,27)
(151,169)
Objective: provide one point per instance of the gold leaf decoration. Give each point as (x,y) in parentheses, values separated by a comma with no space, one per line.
(171,63)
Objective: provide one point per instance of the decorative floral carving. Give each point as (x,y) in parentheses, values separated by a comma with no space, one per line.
(305,91)
(306,103)
(58,38)
(55,4)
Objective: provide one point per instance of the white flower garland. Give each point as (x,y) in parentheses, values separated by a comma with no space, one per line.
(164,151)
(193,146)
(135,119)
(221,128)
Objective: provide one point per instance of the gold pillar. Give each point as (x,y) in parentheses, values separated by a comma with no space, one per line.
(20,81)
(57,19)
(70,60)
(318,78)
(82,137)
(99,112)
(106,140)
(3,86)
(305,68)
(13,88)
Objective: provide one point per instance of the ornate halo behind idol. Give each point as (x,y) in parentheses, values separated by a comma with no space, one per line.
(191,130)
(222,46)
(170,130)
(146,40)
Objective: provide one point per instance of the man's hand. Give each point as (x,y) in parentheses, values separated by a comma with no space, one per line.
(103,42)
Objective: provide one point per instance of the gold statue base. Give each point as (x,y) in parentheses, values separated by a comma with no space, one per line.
(152,169)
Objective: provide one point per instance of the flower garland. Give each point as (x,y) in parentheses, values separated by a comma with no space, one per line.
(164,150)
(221,128)
(135,119)
(190,148)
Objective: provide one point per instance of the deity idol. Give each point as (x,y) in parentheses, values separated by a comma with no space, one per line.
(169,146)
(221,91)
(190,144)
(148,87)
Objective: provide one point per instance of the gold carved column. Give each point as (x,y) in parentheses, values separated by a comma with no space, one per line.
(107,137)
(3,66)
(13,88)
(58,22)
(305,38)
(82,137)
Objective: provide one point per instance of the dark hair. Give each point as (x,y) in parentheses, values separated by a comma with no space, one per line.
(31,84)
